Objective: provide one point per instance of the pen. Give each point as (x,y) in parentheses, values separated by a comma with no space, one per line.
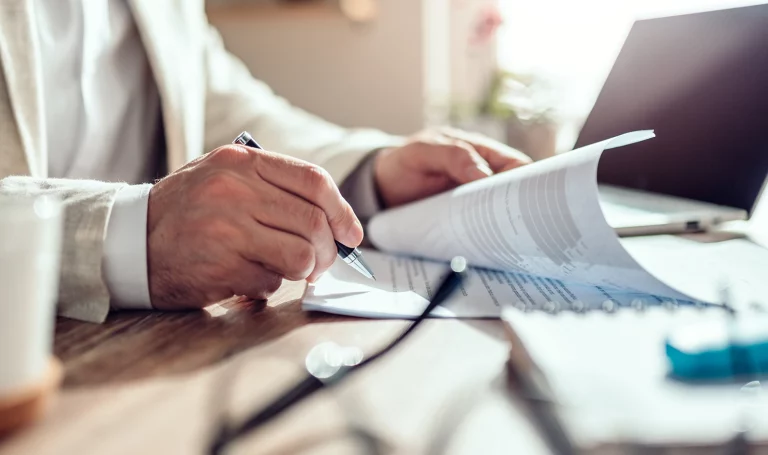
(351,256)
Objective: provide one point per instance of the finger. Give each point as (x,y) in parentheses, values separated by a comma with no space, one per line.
(288,255)
(254,281)
(513,165)
(499,156)
(453,158)
(283,211)
(315,185)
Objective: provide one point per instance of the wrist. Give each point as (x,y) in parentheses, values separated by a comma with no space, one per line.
(379,163)
(377,166)
(157,270)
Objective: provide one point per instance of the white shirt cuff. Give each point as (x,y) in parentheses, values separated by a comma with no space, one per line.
(125,249)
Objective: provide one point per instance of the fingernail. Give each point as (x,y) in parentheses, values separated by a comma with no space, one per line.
(477,171)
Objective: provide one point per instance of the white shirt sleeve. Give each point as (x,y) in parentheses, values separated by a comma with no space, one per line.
(124,262)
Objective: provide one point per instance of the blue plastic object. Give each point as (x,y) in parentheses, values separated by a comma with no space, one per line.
(720,350)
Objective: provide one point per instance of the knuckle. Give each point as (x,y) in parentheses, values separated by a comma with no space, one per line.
(461,154)
(317,178)
(458,150)
(316,221)
(272,283)
(229,153)
(326,262)
(302,260)
(267,284)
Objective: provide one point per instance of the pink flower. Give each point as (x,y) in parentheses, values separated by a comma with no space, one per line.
(488,23)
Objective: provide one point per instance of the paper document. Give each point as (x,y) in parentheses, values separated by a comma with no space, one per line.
(404,285)
(538,229)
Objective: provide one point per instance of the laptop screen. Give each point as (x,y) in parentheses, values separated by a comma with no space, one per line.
(701,82)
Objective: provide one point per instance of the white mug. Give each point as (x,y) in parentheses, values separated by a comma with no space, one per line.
(30,255)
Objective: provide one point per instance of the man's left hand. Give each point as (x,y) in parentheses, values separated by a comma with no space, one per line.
(438,160)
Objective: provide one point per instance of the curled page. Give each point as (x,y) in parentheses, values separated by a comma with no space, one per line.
(543,219)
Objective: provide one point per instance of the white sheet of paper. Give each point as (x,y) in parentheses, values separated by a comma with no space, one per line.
(738,265)
(404,284)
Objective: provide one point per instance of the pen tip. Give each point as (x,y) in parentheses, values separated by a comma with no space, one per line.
(373,276)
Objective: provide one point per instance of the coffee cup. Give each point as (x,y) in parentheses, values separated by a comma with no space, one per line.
(30,255)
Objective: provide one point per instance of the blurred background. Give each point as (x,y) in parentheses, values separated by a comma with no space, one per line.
(526,72)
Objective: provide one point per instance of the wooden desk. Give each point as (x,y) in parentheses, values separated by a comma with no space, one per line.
(148,382)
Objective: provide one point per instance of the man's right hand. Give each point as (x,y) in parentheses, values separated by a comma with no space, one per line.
(236,222)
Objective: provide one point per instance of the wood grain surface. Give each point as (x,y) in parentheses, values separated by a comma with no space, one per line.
(150,382)
(140,344)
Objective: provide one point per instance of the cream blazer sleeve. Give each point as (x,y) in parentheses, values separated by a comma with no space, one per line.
(87,204)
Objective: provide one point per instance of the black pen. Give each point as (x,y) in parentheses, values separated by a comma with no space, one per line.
(351,256)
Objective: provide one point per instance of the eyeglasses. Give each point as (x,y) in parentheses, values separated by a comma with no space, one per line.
(228,433)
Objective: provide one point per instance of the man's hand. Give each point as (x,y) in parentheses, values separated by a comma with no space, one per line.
(236,222)
(435,161)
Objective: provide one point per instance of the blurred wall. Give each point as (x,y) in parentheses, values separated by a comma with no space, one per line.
(400,72)
(473,54)
(353,74)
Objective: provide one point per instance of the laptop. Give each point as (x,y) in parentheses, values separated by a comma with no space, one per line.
(701,82)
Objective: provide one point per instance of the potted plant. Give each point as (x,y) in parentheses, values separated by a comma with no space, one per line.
(515,110)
